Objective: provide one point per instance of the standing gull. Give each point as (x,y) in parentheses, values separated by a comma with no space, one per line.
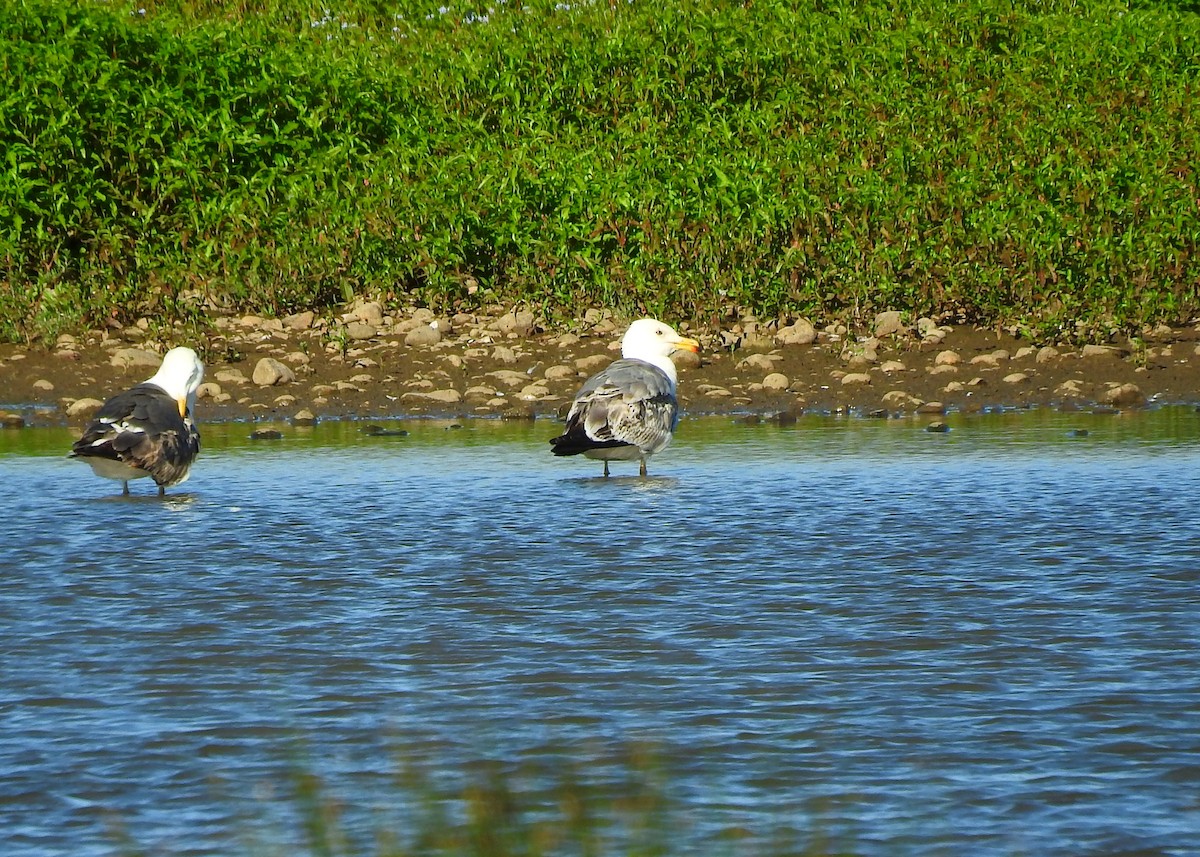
(148,430)
(628,411)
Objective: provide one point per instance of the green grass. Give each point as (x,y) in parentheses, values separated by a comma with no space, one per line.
(1017,163)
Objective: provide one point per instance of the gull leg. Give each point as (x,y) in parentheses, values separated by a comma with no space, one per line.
(162,491)
(125,488)
(643,468)
(606,468)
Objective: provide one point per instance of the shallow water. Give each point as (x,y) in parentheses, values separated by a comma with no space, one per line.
(856,632)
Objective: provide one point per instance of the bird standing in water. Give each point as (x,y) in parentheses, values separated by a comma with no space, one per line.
(628,410)
(148,431)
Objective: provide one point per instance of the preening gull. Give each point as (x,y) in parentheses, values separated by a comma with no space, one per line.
(148,430)
(628,410)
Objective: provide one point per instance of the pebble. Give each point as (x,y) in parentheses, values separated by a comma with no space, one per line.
(423,335)
(42,385)
(12,421)
(135,358)
(776,381)
(1099,351)
(686,360)
(560,372)
(360,330)
(299,321)
(84,407)
(208,390)
(947,358)
(518,322)
(1123,396)
(888,323)
(269,372)
(931,408)
(448,397)
(852,378)
(266,434)
(231,376)
(937,427)
(504,354)
(1016,378)
(304,417)
(890,366)
(800,332)
(1046,353)
(762,362)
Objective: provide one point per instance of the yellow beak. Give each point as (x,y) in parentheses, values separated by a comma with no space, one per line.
(182,407)
(687,344)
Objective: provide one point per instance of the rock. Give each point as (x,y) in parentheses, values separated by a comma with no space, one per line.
(1024,351)
(1099,351)
(510,377)
(942,369)
(43,386)
(592,364)
(947,358)
(368,312)
(448,397)
(232,376)
(1070,387)
(560,373)
(534,391)
(1123,396)
(931,408)
(937,428)
(1046,353)
(800,332)
(269,372)
(686,360)
(757,361)
(776,381)
(208,390)
(12,421)
(504,354)
(519,322)
(304,417)
(926,326)
(126,359)
(84,407)
(900,399)
(954,387)
(360,330)
(888,323)
(853,378)
(299,321)
(1016,378)
(68,354)
(424,335)
(890,366)
(991,361)
(297,358)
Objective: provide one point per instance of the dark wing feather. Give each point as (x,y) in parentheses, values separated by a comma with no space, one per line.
(142,428)
(629,403)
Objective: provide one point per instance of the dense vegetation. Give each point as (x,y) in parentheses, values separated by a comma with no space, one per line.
(1030,163)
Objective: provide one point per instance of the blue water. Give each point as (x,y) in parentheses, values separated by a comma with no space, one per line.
(850,635)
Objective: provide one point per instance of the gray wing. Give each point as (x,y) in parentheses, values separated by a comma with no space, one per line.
(629,402)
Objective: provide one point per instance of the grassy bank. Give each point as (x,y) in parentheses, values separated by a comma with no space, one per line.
(1028,163)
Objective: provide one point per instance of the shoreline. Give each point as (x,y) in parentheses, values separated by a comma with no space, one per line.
(366,364)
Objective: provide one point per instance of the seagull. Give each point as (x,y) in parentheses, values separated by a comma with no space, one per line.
(628,410)
(148,429)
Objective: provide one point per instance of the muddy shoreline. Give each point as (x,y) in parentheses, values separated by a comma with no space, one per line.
(366,364)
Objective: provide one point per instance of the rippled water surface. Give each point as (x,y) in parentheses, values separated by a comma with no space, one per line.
(855,633)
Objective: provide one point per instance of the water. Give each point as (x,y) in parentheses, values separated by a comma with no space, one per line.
(854,633)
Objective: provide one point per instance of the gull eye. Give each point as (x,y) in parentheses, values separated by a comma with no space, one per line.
(659,332)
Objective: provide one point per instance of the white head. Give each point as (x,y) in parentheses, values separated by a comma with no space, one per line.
(651,340)
(180,375)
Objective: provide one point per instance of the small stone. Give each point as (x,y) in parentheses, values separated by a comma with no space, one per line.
(12,421)
(1099,351)
(800,332)
(977,382)
(42,385)
(208,390)
(424,335)
(931,408)
(68,354)
(299,321)
(304,417)
(937,428)
(1070,387)
(900,399)
(135,358)
(1016,378)
(84,407)
(1046,353)
(537,390)
(853,378)
(448,397)
(890,366)
(286,400)
(888,323)
(297,358)
(360,330)
(942,369)
(954,387)
(776,381)
(1123,396)
(591,364)
(269,372)
(504,354)
(761,362)
(560,373)
(232,376)
(947,358)
(519,322)
(686,360)
(1024,351)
